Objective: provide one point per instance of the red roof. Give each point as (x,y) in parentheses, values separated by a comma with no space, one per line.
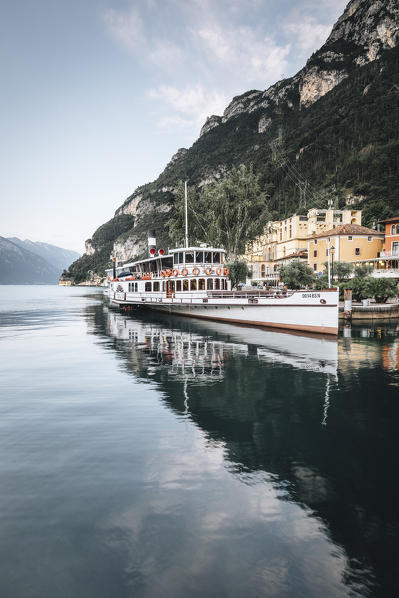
(395,219)
(348,229)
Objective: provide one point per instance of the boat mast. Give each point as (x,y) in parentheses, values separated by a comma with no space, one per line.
(185,213)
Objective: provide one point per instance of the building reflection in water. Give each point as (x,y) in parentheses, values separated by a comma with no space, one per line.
(308,413)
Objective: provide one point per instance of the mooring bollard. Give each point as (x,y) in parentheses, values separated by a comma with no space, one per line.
(347,304)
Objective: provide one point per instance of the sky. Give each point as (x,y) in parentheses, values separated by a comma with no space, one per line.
(97,95)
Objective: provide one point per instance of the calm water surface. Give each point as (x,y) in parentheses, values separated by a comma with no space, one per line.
(145,455)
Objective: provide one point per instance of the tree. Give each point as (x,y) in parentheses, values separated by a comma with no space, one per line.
(239,272)
(360,286)
(227,213)
(363,271)
(342,270)
(382,289)
(296,275)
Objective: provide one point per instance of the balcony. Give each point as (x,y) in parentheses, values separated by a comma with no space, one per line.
(385,273)
(393,254)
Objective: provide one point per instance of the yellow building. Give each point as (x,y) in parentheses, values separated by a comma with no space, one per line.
(285,240)
(347,243)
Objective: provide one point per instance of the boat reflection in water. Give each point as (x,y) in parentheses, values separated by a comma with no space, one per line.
(197,352)
(302,426)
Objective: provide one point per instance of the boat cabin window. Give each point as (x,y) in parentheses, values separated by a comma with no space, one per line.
(185,284)
(216,257)
(156,286)
(199,257)
(209,284)
(178,258)
(189,257)
(193,285)
(201,284)
(147,287)
(163,286)
(217,284)
(207,257)
(178,285)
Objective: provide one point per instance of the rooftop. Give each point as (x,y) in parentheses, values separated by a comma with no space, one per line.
(395,219)
(348,229)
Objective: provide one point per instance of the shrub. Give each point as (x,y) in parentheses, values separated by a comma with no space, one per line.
(383,289)
(296,275)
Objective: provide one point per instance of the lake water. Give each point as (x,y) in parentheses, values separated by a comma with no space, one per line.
(152,456)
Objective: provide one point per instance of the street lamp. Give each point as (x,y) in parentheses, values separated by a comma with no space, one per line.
(329,250)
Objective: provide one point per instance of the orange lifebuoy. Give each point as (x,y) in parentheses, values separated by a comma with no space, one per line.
(184,271)
(208,271)
(226,271)
(196,271)
(175,272)
(168,273)
(163,273)
(219,271)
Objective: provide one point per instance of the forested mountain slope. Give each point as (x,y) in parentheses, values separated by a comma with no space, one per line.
(337,125)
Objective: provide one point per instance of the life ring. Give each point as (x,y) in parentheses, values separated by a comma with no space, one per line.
(175,272)
(196,271)
(219,271)
(208,271)
(184,271)
(163,273)
(168,273)
(226,271)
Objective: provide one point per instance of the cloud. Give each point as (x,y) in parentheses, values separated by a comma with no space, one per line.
(194,102)
(250,57)
(307,34)
(126,28)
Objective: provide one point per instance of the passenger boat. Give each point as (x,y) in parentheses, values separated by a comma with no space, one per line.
(194,281)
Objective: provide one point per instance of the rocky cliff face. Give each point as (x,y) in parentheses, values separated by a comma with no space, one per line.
(366,30)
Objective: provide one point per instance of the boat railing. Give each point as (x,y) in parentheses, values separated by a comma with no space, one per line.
(247,294)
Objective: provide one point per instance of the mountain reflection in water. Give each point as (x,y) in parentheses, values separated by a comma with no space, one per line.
(307,414)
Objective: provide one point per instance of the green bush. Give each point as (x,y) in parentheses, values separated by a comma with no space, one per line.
(296,275)
(383,289)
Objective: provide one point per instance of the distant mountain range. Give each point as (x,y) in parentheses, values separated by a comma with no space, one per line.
(28,262)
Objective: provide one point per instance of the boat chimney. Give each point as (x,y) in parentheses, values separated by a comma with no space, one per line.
(152,243)
(113,267)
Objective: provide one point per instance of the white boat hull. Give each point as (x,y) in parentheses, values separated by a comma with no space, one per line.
(315,312)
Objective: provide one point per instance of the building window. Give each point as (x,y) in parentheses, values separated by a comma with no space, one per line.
(349,238)
(315,254)
(369,238)
(263,270)
(357,250)
(327,252)
(394,229)
(315,267)
(315,241)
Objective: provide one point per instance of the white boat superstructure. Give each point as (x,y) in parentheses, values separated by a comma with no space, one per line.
(194,281)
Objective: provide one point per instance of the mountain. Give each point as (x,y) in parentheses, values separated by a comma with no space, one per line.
(331,131)
(26,262)
(58,257)
(19,266)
